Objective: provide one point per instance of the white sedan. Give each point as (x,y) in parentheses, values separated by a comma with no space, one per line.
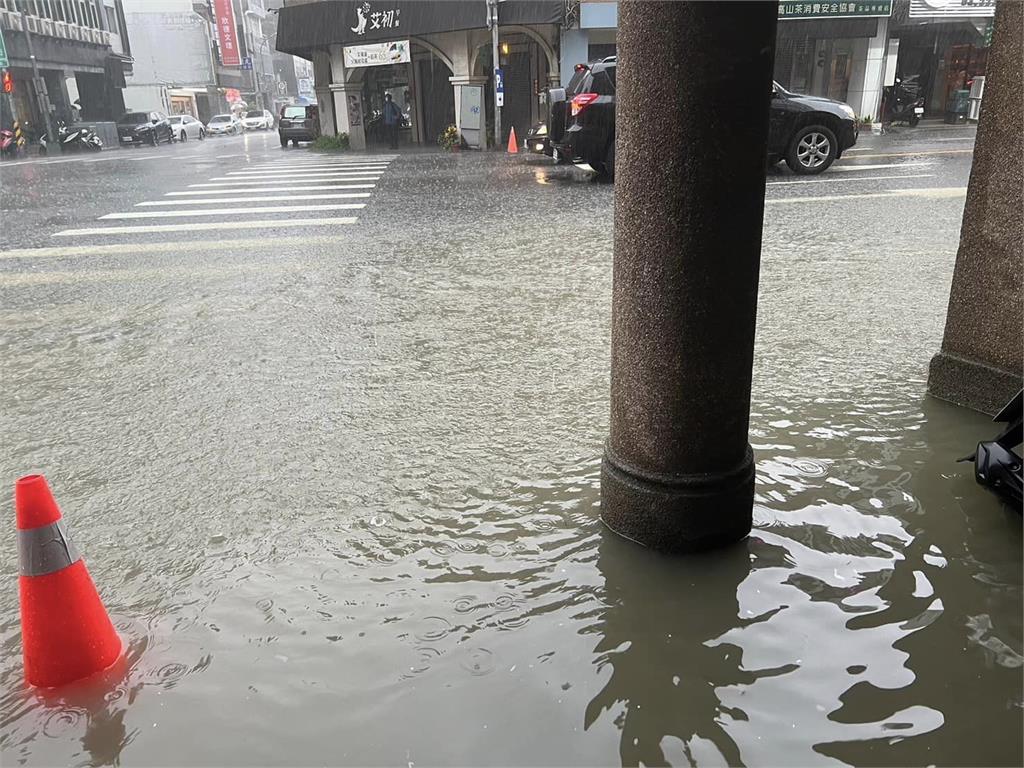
(258,120)
(221,125)
(185,127)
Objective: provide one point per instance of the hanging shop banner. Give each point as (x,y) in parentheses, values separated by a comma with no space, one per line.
(227,35)
(377,54)
(789,9)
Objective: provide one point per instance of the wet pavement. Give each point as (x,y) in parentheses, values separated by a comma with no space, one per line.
(338,482)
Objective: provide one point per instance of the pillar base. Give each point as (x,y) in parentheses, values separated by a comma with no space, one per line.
(686,514)
(971,384)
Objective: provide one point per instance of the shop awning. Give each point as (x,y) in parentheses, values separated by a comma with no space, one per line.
(309,26)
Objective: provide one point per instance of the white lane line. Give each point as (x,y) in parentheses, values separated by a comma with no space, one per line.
(877,166)
(233,211)
(258,190)
(850,178)
(293,167)
(937,193)
(203,226)
(174,246)
(289,179)
(263,199)
(950,138)
(299,174)
(258,183)
(307,166)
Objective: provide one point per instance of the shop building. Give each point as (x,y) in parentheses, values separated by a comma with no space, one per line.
(588,33)
(945,43)
(433,57)
(837,50)
(82,54)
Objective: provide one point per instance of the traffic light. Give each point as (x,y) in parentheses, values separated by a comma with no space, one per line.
(8,82)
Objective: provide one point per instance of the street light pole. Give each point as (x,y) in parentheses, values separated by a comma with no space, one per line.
(38,84)
(492,7)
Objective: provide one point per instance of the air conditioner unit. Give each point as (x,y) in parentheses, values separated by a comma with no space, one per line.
(60,29)
(46,27)
(75,32)
(33,24)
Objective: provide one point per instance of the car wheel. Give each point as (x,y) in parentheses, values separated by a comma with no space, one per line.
(295,142)
(913,121)
(812,150)
(202,134)
(152,138)
(183,136)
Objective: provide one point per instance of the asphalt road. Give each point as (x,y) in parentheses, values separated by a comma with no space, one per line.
(335,468)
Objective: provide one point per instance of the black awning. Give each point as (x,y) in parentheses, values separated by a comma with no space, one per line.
(303,28)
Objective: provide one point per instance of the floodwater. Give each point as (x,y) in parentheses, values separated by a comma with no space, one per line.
(343,503)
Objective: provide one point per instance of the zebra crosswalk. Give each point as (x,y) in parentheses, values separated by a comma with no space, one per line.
(307,192)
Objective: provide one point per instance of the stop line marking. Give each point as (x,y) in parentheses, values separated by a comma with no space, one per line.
(269,189)
(938,193)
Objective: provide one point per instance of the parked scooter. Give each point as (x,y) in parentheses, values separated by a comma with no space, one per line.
(8,144)
(997,466)
(72,140)
(903,102)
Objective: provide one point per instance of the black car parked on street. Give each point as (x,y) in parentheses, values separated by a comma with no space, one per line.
(298,123)
(144,128)
(808,132)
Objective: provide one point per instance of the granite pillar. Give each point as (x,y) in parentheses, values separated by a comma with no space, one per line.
(980,362)
(678,470)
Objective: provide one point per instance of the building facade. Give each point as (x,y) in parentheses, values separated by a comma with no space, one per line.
(82,53)
(945,43)
(434,58)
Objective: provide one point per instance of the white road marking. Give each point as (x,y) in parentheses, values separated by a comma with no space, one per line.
(263,199)
(950,138)
(194,226)
(876,166)
(232,211)
(259,183)
(938,193)
(270,189)
(268,166)
(299,174)
(288,179)
(846,179)
(174,246)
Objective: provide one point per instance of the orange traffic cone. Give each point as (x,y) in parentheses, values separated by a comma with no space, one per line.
(513,147)
(66,633)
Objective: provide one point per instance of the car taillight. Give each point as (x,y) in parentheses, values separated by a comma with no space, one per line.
(581,101)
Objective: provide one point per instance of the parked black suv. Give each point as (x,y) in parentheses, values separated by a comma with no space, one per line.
(808,132)
(298,123)
(144,128)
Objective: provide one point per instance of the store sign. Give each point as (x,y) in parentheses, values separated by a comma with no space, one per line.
(377,54)
(367,17)
(952,9)
(789,9)
(227,36)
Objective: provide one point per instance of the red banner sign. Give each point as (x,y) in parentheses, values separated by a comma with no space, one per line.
(224,17)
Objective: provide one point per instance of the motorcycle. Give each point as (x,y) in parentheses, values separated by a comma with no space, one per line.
(997,466)
(903,102)
(8,144)
(72,140)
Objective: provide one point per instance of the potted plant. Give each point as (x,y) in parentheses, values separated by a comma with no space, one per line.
(449,140)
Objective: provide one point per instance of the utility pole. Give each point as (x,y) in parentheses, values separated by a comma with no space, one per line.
(492,18)
(38,84)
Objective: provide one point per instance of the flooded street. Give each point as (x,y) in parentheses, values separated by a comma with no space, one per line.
(338,485)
